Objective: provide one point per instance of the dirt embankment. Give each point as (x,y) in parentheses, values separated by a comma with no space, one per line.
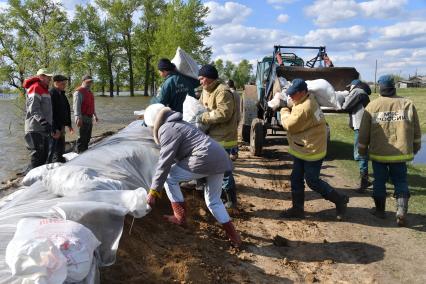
(361,249)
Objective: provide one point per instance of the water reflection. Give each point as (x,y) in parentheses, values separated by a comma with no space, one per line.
(420,158)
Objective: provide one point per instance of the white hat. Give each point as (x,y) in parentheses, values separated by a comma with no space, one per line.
(151,113)
(44,72)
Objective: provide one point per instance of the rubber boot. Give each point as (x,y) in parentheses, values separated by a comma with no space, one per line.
(341,201)
(401,210)
(232,234)
(231,199)
(364,183)
(379,210)
(179,215)
(297,209)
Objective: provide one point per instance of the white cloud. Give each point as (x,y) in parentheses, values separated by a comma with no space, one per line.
(279,4)
(404,30)
(282,18)
(327,12)
(3,6)
(230,12)
(382,8)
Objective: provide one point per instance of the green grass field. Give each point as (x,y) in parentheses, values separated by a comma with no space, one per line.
(341,150)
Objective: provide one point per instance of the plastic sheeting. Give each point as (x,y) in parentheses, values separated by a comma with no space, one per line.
(129,157)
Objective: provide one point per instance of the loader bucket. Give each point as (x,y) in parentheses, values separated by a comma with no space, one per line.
(338,77)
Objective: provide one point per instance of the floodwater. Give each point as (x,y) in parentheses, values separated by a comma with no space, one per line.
(114,113)
(420,158)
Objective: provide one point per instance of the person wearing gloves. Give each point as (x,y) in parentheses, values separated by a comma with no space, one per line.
(307,139)
(84,112)
(61,118)
(355,104)
(221,119)
(186,153)
(390,133)
(38,117)
(176,86)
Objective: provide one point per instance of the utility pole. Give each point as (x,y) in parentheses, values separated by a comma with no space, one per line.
(375,78)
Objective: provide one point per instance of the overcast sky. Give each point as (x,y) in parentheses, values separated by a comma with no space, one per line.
(356,33)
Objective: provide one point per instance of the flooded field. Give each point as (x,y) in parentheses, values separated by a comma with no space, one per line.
(114,113)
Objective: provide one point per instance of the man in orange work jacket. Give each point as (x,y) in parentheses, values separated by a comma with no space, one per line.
(84,113)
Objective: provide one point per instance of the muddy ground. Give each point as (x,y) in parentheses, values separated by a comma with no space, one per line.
(360,249)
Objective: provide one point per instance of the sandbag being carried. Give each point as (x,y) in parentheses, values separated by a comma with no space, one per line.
(191,109)
(185,64)
(323,91)
(51,251)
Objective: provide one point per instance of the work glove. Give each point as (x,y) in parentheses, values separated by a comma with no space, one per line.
(152,195)
(199,124)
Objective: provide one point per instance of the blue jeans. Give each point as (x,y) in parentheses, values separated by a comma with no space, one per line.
(228,184)
(309,171)
(362,160)
(398,175)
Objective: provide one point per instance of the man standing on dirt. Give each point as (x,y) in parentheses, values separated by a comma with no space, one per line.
(307,139)
(186,153)
(176,86)
(355,104)
(84,112)
(390,131)
(61,117)
(221,120)
(38,117)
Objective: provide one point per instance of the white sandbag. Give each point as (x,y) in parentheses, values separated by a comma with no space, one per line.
(340,98)
(73,180)
(324,93)
(51,250)
(191,109)
(185,64)
(278,101)
(139,112)
(38,173)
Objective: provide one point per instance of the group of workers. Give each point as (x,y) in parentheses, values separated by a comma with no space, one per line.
(48,114)
(386,130)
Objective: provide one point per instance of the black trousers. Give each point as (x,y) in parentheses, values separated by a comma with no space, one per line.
(85,132)
(57,148)
(38,145)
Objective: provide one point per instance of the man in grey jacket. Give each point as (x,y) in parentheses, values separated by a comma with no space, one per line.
(355,104)
(186,154)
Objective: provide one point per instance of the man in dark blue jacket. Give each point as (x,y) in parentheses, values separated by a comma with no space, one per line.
(175,87)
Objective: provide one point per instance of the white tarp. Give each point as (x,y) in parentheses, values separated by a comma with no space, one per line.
(129,157)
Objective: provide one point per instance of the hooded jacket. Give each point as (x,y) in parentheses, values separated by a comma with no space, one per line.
(188,147)
(306,129)
(355,104)
(222,114)
(390,129)
(38,105)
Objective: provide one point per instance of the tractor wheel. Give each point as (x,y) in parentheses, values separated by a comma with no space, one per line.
(245,132)
(256,137)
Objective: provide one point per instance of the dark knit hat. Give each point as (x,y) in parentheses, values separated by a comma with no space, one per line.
(59,78)
(208,71)
(297,85)
(165,64)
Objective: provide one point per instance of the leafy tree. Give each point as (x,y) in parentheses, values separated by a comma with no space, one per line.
(102,41)
(242,73)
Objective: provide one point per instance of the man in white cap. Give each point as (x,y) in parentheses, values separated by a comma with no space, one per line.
(38,117)
(186,153)
(84,112)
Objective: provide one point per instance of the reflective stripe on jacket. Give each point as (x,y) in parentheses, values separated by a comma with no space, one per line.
(306,129)
(390,130)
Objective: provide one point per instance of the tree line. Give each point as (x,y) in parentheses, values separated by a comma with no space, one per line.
(118,42)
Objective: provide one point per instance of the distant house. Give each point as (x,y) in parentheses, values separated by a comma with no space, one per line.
(413,82)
